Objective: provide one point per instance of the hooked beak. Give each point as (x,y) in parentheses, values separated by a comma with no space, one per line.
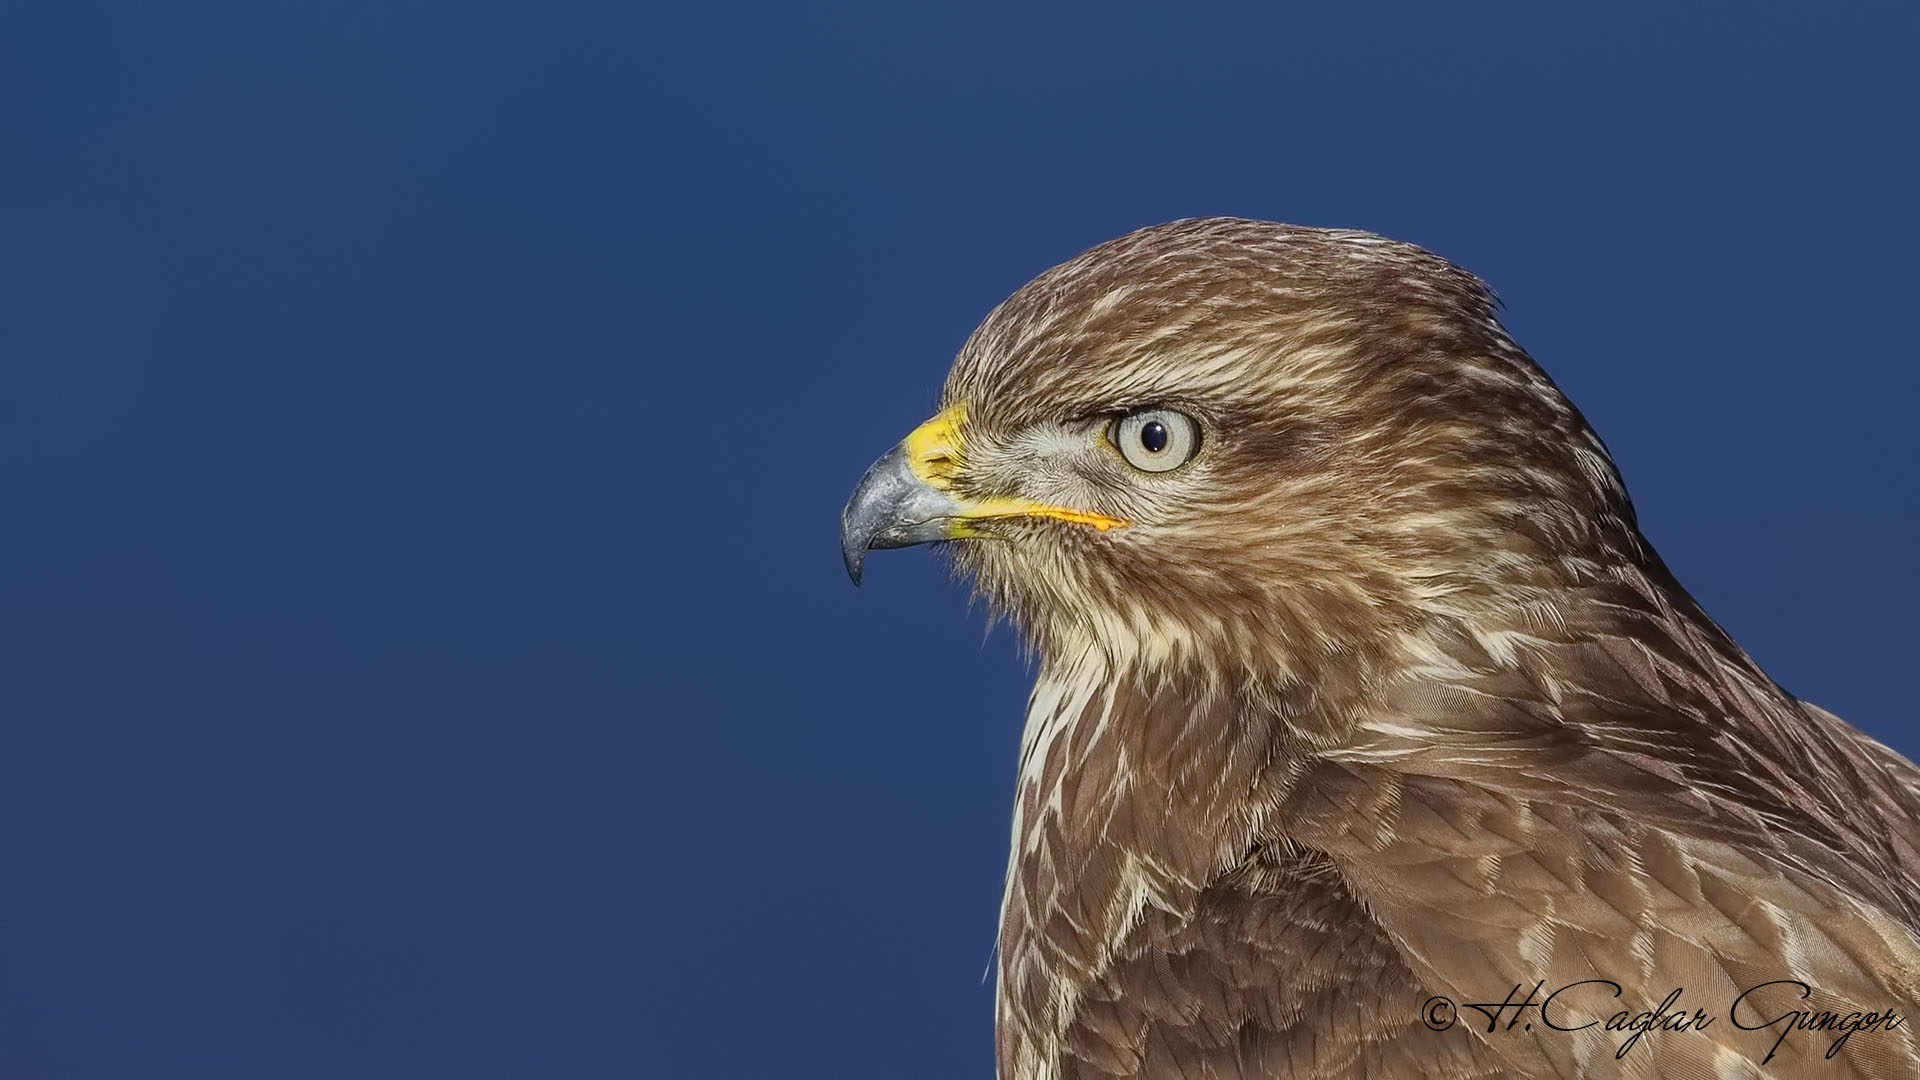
(907,497)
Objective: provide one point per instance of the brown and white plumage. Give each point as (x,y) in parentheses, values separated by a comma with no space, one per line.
(1381,696)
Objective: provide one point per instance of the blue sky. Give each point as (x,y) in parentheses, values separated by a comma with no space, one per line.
(423,428)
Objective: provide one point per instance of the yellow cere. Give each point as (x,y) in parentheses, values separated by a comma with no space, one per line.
(933,448)
(936,454)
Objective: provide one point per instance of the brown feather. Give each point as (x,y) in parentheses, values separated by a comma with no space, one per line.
(1383,697)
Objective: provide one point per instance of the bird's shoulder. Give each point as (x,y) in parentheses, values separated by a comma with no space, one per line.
(1621,793)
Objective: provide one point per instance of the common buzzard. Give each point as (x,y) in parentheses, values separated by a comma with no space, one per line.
(1371,738)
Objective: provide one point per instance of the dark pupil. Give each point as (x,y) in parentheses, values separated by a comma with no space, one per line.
(1154,436)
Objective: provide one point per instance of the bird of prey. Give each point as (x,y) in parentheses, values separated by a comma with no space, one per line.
(1370,737)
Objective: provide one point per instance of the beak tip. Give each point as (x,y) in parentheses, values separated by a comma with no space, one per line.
(855,538)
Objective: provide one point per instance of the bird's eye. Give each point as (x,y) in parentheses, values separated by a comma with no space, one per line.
(1156,440)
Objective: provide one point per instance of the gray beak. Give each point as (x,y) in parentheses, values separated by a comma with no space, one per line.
(893,508)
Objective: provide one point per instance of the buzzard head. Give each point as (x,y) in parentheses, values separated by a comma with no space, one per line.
(1249,448)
